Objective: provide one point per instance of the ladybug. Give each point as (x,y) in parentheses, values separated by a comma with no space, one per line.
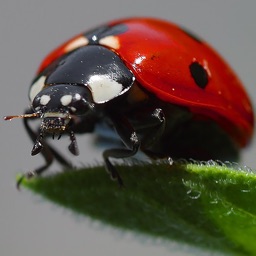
(161,88)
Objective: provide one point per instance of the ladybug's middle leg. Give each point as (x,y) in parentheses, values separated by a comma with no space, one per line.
(129,137)
(152,126)
(152,122)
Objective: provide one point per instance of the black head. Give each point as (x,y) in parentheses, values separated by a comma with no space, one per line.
(59,106)
(61,102)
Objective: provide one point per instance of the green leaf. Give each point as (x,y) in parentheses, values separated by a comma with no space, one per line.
(202,204)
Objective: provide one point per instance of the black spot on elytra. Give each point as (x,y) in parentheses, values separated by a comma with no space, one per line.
(192,35)
(96,34)
(199,74)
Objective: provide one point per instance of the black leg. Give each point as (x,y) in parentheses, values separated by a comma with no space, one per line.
(155,125)
(130,139)
(152,124)
(48,153)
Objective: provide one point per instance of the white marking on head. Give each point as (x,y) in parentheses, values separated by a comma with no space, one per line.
(110,41)
(73,109)
(78,96)
(45,99)
(57,114)
(37,87)
(66,100)
(76,43)
(103,88)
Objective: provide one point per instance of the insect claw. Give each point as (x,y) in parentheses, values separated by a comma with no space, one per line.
(73,148)
(38,146)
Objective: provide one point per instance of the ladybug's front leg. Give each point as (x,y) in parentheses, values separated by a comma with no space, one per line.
(48,153)
(129,138)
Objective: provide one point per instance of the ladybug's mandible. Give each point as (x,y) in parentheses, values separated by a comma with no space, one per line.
(163,90)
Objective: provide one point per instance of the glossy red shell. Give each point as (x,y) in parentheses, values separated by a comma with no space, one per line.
(159,54)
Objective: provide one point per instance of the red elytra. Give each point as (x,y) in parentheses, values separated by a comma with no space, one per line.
(159,54)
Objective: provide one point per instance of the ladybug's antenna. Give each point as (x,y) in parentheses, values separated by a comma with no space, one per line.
(6,118)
